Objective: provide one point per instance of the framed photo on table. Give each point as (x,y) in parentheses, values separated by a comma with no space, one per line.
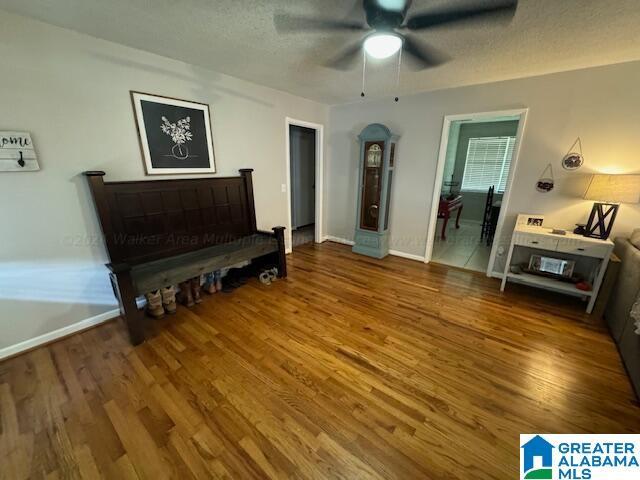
(175,135)
(530,220)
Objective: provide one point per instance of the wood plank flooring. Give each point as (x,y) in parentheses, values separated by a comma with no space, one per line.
(351,368)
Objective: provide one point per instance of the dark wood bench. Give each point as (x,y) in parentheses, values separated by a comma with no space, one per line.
(163,232)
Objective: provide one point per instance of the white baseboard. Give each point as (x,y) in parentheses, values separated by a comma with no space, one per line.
(344,241)
(56,334)
(396,253)
(410,256)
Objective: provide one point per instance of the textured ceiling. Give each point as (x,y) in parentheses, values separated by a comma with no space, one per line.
(237,37)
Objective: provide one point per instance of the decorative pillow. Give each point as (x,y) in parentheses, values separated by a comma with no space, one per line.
(635,238)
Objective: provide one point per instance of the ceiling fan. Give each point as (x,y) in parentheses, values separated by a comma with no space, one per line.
(387,28)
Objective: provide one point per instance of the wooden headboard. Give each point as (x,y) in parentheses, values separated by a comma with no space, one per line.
(152,219)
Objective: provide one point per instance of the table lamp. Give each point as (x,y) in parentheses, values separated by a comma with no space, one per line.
(609,191)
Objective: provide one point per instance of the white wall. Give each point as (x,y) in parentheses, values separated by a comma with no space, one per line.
(601,105)
(71,92)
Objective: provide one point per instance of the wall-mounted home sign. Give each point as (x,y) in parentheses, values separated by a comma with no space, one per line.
(175,135)
(17,153)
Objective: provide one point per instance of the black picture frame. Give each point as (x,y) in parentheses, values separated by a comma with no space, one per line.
(175,135)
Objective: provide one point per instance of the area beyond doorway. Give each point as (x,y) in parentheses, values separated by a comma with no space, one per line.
(302,148)
(478,155)
(304,145)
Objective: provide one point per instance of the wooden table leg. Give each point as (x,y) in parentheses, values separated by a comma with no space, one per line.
(444,226)
(458,217)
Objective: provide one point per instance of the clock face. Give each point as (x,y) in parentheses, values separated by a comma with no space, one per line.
(374,156)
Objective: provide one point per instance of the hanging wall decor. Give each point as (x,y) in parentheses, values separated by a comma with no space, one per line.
(546,183)
(573,160)
(17,153)
(175,135)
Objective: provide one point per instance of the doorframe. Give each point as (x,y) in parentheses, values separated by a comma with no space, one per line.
(319,128)
(437,187)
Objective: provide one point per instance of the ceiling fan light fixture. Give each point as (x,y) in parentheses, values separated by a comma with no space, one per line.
(393,5)
(382,45)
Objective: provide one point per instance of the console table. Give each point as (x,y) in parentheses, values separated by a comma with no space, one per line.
(591,256)
(446,208)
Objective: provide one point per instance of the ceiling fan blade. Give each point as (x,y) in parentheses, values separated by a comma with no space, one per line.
(346,59)
(422,55)
(294,24)
(357,11)
(452,15)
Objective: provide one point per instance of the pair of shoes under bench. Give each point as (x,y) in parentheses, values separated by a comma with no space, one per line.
(161,301)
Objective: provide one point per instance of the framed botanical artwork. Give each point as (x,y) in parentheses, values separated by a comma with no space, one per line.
(175,135)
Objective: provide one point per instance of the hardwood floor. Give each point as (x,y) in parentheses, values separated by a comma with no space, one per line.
(350,368)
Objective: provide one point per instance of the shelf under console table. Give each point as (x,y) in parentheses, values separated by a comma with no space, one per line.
(591,256)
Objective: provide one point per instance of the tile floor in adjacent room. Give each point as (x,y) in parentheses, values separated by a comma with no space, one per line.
(462,248)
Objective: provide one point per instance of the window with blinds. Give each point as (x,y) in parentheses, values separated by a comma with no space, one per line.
(488,162)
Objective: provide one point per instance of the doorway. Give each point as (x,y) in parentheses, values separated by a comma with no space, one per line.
(478,155)
(304,182)
(302,171)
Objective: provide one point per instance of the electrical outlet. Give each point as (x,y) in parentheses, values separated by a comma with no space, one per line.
(284,188)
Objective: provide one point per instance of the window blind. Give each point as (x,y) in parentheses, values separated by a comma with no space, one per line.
(488,162)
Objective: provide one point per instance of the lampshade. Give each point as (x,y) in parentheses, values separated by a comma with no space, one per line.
(614,188)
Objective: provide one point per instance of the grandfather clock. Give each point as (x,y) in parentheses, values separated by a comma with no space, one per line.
(375,176)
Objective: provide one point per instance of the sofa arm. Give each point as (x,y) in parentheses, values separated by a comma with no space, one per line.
(627,287)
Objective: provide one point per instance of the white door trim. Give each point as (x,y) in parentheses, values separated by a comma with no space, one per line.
(437,187)
(319,128)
